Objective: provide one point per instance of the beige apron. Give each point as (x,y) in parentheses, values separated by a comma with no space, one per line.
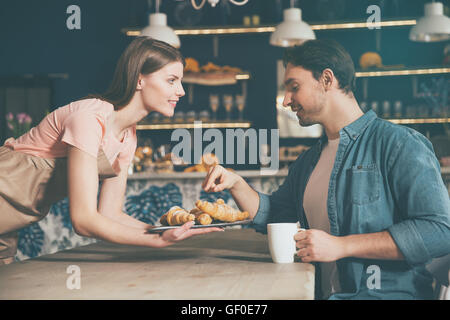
(29,185)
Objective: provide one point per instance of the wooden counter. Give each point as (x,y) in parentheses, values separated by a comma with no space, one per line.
(230,265)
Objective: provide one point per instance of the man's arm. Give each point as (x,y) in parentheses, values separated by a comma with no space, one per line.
(219,179)
(317,245)
(263,209)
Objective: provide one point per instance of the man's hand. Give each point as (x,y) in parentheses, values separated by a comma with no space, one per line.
(317,245)
(219,179)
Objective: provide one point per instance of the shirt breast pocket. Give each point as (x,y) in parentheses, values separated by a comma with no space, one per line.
(364,184)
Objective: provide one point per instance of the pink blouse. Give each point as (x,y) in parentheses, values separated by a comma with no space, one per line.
(82,124)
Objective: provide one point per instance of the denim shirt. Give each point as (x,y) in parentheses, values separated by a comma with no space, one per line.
(385,178)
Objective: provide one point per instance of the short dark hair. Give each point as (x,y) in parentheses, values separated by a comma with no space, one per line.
(318,55)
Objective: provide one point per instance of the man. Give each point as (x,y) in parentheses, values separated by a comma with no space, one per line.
(369,193)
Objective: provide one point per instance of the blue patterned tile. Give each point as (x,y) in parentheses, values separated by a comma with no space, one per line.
(152,203)
(213,196)
(61,208)
(31,240)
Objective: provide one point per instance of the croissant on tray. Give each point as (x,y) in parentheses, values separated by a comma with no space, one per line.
(221,211)
(176,216)
(201,217)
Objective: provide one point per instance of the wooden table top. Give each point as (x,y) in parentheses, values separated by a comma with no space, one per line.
(234,264)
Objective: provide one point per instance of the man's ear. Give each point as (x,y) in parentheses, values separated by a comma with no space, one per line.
(327,79)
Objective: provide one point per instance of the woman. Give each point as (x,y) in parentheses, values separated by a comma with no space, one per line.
(86,141)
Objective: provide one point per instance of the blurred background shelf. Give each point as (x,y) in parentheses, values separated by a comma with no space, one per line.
(193,125)
(203,78)
(384,72)
(268,28)
(420,121)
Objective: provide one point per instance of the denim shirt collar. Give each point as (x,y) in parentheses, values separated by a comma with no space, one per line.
(358,126)
(354,129)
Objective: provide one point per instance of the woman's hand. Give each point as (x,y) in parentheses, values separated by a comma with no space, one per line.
(172,236)
(219,179)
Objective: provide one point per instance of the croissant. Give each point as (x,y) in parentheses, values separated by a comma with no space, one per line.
(221,211)
(176,216)
(201,217)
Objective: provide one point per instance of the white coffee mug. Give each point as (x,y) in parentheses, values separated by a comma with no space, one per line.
(281,241)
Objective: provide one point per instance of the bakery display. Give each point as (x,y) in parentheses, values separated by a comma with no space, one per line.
(176,216)
(201,217)
(207,161)
(209,74)
(205,213)
(219,210)
(370,60)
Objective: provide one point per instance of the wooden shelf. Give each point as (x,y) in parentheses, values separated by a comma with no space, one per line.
(402,72)
(268,28)
(190,78)
(420,120)
(193,125)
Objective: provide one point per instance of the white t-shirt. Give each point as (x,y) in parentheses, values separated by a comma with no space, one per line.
(315,206)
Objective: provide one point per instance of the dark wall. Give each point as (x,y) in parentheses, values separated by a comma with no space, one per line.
(35,40)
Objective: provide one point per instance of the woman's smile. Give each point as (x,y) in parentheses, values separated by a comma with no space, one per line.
(173,103)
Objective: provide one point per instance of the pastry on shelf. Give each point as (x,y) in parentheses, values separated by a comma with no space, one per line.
(209,74)
(210,67)
(219,210)
(176,216)
(196,168)
(231,69)
(370,60)
(142,158)
(207,161)
(192,65)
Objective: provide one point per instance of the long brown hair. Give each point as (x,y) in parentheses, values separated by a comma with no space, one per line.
(143,55)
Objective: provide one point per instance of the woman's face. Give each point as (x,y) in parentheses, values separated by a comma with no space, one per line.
(162,89)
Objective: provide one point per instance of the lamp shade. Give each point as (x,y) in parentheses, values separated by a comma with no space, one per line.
(158,29)
(434,26)
(292,31)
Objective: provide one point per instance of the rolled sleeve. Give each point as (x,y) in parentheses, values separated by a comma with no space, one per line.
(280,206)
(262,215)
(423,231)
(409,242)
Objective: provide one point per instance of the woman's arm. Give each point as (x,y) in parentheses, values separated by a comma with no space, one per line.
(83,187)
(111,200)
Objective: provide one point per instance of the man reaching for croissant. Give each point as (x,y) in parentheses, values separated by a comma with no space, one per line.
(369,193)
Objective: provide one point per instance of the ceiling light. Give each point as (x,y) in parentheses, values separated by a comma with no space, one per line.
(158,29)
(434,26)
(292,31)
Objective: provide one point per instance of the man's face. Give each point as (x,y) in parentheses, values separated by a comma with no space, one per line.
(304,95)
